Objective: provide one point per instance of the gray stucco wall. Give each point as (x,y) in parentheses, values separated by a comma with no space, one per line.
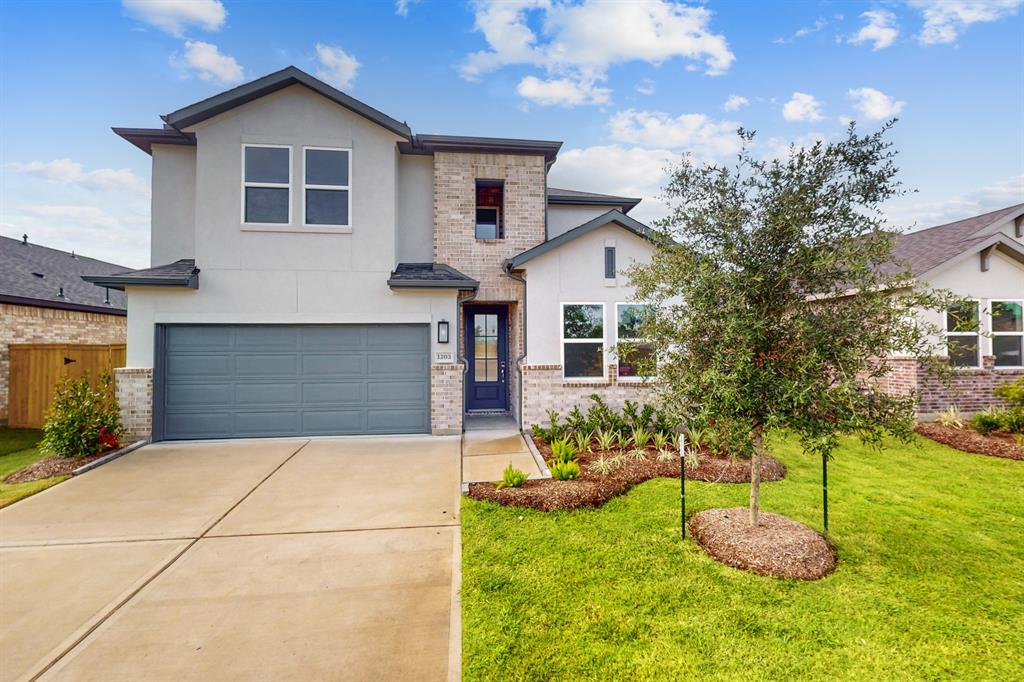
(173,204)
(415,209)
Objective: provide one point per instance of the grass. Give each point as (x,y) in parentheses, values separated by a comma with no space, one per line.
(18,450)
(930,582)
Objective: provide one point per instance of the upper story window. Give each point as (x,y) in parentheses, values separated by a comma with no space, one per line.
(583,340)
(609,262)
(490,209)
(963,335)
(635,354)
(1008,333)
(327,186)
(266,180)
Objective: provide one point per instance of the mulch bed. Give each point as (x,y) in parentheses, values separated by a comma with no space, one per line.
(968,440)
(779,547)
(592,489)
(51,466)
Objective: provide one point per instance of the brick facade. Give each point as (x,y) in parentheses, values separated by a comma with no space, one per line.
(135,396)
(970,391)
(30,324)
(446,399)
(544,389)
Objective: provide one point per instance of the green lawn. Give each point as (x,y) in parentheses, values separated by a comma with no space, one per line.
(17,450)
(930,582)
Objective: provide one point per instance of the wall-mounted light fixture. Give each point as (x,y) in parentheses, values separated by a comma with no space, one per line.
(442,331)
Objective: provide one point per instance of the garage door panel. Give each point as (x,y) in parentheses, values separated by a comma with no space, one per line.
(333,364)
(260,380)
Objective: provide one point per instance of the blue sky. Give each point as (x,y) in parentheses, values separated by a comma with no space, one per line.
(626,86)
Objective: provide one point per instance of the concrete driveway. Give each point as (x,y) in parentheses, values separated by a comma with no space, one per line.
(246,560)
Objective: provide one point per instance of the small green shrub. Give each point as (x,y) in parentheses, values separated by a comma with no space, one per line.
(951,418)
(665,455)
(622,441)
(511,478)
(1012,393)
(563,451)
(637,454)
(582,440)
(641,437)
(565,471)
(986,422)
(605,440)
(602,465)
(83,420)
(660,440)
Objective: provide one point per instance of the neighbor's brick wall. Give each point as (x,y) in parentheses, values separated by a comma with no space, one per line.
(544,389)
(446,399)
(135,396)
(29,324)
(972,390)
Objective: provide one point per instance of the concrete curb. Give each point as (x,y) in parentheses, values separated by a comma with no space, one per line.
(541,464)
(109,458)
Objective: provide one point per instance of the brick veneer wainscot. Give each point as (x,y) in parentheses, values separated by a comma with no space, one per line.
(970,391)
(446,399)
(544,389)
(31,324)
(135,396)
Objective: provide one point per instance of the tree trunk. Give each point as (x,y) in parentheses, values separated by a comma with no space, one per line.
(757,435)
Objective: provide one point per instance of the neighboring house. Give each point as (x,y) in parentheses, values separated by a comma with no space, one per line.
(319,269)
(44,300)
(980,259)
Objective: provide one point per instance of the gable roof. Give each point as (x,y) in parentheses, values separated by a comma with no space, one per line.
(927,249)
(34,275)
(288,76)
(557,195)
(611,217)
(180,273)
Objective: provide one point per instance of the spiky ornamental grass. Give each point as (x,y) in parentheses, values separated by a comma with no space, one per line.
(776,302)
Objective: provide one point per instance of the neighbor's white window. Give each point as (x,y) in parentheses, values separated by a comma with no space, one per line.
(583,340)
(266,184)
(635,355)
(963,335)
(327,188)
(1008,333)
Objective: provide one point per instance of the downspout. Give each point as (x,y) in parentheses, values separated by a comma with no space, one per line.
(519,360)
(458,345)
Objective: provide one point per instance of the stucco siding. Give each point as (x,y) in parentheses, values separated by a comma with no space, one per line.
(561,219)
(415,227)
(173,232)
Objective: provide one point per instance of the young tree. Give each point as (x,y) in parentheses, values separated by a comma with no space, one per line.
(777,302)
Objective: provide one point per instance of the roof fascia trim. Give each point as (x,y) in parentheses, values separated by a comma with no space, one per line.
(60,305)
(613,216)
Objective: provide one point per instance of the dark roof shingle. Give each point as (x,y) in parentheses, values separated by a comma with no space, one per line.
(558,195)
(416,275)
(180,273)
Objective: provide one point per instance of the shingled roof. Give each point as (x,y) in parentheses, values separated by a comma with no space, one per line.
(558,195)
(429,275)
(36,275)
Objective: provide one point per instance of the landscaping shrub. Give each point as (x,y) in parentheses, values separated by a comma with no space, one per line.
(511,478)
(83,420)
(1013,394)
(951,418)
(563,451)
(987,422)
(565,471)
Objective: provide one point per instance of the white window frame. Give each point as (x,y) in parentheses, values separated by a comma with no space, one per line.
(993,333)
(603,341)
(334,188)
(980,334)
(637,341)
(275,185)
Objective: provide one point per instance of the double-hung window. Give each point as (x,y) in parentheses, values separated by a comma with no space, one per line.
(635,354)
(326,186)
(1008,333)
(963,335)
(583,340)
(266,184)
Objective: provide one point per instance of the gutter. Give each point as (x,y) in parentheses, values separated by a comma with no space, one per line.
(519,360)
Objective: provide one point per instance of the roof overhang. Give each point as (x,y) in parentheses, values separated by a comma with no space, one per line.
(429,144)
(613,217)
(430,276)
(998,242)
(182,274)
(627,203)
(145,138)
(60,305)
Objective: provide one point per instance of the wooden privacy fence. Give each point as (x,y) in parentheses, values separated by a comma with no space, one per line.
(37,367)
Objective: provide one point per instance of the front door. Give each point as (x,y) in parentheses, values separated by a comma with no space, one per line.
(487,354)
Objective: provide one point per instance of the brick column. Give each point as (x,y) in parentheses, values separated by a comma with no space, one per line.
(135,397)
(446,399)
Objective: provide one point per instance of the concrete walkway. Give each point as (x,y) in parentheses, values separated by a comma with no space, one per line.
(247,560)
(488,450)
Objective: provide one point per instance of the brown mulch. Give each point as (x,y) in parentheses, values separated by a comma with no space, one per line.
(968,440)
(592,489)
(779,547)
(51,466)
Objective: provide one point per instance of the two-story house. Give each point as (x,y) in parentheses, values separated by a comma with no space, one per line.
(319,269)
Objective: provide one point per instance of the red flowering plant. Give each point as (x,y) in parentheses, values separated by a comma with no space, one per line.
(84,419)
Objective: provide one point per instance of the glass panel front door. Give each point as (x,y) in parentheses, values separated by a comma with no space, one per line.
(486,343)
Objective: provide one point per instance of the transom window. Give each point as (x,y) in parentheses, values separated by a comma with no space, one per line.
(490,209)
(266,182)
(963,334)
(635,355)
(583,340)
(326,186)
(1007,333)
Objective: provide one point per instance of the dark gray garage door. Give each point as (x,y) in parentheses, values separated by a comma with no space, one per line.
(234,381)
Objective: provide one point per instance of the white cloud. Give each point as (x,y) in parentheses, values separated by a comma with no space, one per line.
(803,31)
(802,107)
(874,104)
(928,214)
(68,172)
(880,30)
(562,91)
(174,16)
(574,39)
(402,7)
(691,132)
(120,236)
(614,169)
(209,64)
(337,67)
(944,20)
(645,87)
(83,215)
(783,147)
(735,102)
